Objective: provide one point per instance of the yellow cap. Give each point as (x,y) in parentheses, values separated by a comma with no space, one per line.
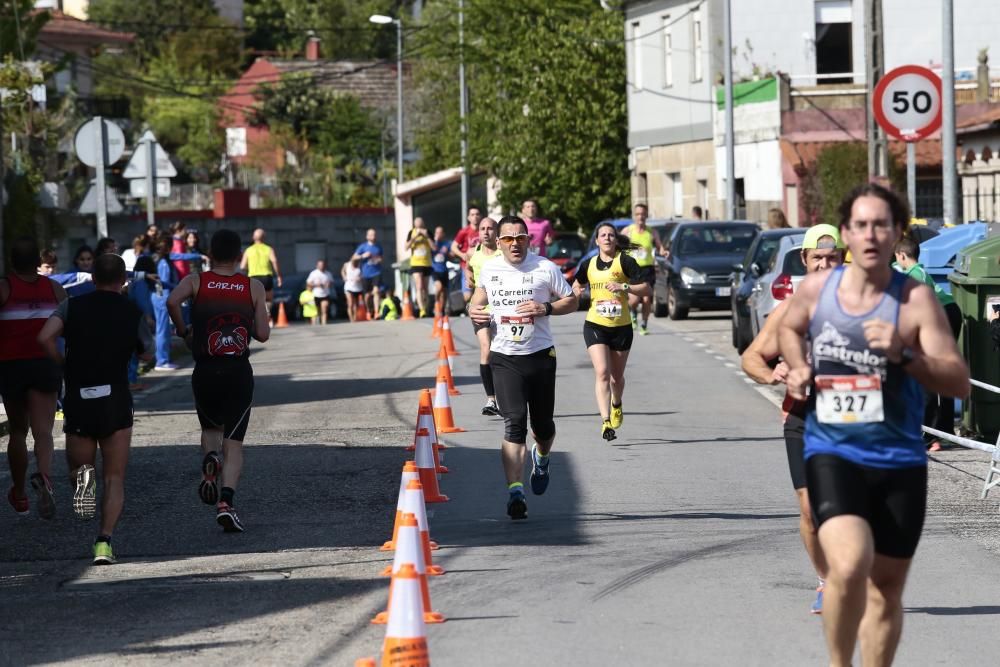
(817,232)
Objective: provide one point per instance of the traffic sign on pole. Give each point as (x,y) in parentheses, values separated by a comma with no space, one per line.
(137,187)
(138,164)
(907,103)
(87,139)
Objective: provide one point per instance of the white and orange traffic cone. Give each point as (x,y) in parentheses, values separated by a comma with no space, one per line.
(448,339)
(443,417)
(416,505)
(282,320)
(410,474)
(410,551)
(407,307)
(425,419)
(423,440)
(361,313)
(444,366)
(428,469)
(405,642)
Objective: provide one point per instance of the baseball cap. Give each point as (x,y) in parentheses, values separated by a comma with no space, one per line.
(817,232)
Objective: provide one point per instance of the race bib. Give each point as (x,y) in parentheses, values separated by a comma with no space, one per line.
(516,329)
(439,258)
(420,252)
(849,399)
(609,309)
(640,254)
(99,391)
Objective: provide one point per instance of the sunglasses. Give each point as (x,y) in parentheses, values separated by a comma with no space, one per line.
(506,238)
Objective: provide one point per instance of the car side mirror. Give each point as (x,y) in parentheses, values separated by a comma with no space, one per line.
(755,270)
(738,266)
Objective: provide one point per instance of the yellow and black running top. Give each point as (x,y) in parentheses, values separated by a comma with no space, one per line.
(607,308)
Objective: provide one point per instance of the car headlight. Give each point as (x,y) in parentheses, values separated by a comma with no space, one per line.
(692,277)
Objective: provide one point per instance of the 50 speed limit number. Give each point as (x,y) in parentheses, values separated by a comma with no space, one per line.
(907,103)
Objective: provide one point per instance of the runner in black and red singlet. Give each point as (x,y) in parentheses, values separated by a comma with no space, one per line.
(29,380)
(228,309)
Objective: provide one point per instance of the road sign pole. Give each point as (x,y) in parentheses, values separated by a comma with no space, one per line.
(911,177)
(102,199)
(949,173)
(150,183)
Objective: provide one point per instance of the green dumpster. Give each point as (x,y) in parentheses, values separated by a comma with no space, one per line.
(976,288)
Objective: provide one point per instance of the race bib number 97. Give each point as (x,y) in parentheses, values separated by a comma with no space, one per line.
(849,399)
(516,329)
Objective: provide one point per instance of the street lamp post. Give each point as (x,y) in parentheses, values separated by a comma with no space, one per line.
(383,20)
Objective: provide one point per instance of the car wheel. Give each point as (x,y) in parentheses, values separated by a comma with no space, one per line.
(659,308)
(673,310)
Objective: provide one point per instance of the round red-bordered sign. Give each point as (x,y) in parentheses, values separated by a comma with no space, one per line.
(907,103)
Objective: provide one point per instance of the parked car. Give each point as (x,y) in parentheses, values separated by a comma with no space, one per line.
(757,261)
(777,283)
(697,273)
(663,227)
(293,285)
(938,254)
(566,249)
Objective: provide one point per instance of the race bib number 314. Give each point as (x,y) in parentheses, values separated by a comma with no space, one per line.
(516,329)
(849,399)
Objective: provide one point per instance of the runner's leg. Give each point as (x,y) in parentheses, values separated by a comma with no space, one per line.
(418,285)
(42,413)
(324,310)
(849,548)
(17,443)
(541,393)
(485,374)
(211,440)
(617,359)
(114,459)
(882,624)
(808,532)
(376,300)
(352,306)
(602,378)
(80,450)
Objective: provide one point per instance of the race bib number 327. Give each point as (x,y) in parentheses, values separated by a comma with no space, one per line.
(516,329)
(849,399)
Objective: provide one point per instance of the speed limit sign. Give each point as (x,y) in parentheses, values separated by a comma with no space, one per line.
(907,103)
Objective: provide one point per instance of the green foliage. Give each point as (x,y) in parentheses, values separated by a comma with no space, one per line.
(19,27)
(284,26)
(547,102)
(839,169)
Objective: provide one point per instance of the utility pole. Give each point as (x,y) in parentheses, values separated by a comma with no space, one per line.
(463,105)
(878,146)
(399,98)
(948,143)
(3,249)
(150,182)
(730,134)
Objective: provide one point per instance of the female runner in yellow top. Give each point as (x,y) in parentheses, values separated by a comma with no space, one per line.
(418,242)
(612,275)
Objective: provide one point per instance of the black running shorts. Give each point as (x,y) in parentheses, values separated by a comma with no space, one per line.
(892,501)
(648,275)
(526,384)
(223,394)
(795,445)
(17,376)
(477,327)
(97,418)
(618,339)
(266,281)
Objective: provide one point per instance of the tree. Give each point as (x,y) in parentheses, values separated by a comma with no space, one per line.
(285,25)
(547,102)
(839,169)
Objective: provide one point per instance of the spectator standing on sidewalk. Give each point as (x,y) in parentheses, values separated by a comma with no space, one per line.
(140,246)
(98,403)
(167,272)
(29,380)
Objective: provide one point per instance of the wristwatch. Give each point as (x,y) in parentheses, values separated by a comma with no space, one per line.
(548,308)
(906,356)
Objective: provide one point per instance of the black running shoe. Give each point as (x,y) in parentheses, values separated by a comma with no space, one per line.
(225,516)
(211,468)
(517,506)
(491,409)
(85,492)
(46,500)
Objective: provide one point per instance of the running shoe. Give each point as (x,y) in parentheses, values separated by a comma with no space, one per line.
(539,473)
(46,500)
(491,409)
(817,606)
(60,416)
(211,468)
(643,330)
(85,493)
(517,506)
(225,516)
(617,417)
(20,505)
(608,431)
(635,320)
(166,367)
(103,555)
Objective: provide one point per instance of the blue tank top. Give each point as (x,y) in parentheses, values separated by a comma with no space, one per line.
(838,348)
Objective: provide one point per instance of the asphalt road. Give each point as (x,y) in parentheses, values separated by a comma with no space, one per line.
(676,544)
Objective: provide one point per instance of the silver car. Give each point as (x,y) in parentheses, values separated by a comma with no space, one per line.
(778,282)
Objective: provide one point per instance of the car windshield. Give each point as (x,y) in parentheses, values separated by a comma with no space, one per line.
(711,240)
(566,246)
(765,251)
(793,265)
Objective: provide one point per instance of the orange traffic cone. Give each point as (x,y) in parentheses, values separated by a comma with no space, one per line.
(444,366)
(424,458)
(365,662)
(282,320)
(361,314)
(410,552)
(410,474)
(405,642)
(425,420)
(442,407)
(416,504)
(447,337)
(436,331)
(407,307)
(422,438)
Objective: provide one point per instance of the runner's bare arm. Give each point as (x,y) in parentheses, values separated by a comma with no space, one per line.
(59,291)
(792,334)
(277,269)
(468,275)
(476,306)
(51,330)
(923,326)
(764,348)
(244,262)
(659,243)
(184,291)
(261,320)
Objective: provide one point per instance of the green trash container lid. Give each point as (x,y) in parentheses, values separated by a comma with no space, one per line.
(979,264)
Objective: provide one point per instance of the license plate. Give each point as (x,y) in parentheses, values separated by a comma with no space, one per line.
(723,291)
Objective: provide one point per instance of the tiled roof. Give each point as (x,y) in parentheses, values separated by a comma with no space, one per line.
(802,154)
(980,121)
(371,81)
(62,25)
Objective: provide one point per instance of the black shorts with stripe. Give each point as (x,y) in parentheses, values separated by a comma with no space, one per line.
(223,394)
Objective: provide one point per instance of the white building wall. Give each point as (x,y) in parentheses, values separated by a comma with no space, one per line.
(758,164)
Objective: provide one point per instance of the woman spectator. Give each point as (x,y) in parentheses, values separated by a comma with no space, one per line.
(353,286)
(167,272)
(192,243)
(178,247)
(83,259)
(141,292)
(140,247)
(776,219)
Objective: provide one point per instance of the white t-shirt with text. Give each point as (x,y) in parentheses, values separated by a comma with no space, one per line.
(321,282)
(507,285)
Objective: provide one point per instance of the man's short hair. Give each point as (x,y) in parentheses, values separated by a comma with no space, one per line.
(512,220)
(24,255)
(225,246)
(697,211)
(109,269)
(104,245)
(474,207)
(48,257)
(909,247)
(898,209)
(642,206)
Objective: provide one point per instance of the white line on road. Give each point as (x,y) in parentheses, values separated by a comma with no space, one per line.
(769,395)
